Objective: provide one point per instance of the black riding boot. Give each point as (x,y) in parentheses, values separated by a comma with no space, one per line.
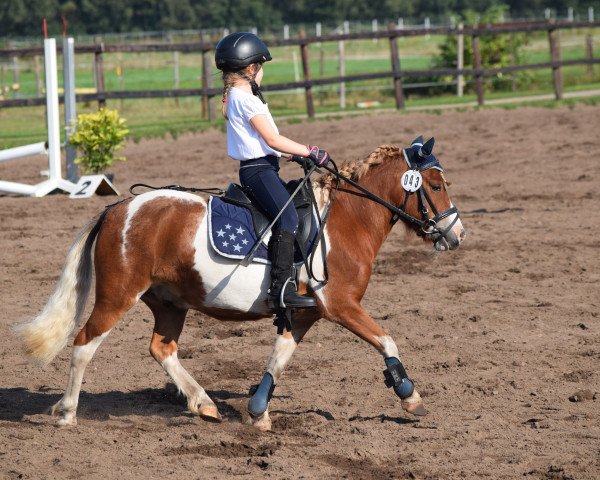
(281,249)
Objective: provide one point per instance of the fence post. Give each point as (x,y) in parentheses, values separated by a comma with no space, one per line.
(321,75)
(176,70)
(16,84)
(176,74)
(38,75)
(208,106)
(477,66)
(460,59)
(555,57)
(513,62)
(396,68)
(589,50)
(99,74)
(310,106)
(375,28)
(342,70)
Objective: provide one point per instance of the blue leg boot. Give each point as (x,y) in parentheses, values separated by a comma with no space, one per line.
(396,377)
(259,402)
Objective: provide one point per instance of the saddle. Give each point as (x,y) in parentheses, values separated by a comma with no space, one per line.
(236,223)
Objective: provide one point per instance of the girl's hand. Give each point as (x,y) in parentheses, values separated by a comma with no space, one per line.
(317,155)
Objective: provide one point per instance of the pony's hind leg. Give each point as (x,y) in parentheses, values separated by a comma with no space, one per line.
(103,318)
(169,321)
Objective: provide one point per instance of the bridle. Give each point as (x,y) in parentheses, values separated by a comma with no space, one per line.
(419,158)
(419,161)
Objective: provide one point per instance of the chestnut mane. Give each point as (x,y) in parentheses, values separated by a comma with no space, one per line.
(356,169)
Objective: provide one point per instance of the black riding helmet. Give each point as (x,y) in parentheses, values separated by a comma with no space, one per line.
(238,50)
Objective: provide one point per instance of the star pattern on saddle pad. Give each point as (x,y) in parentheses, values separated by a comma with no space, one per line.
(233,235)
(231,231)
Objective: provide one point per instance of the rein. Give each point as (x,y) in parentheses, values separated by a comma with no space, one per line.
(179,188)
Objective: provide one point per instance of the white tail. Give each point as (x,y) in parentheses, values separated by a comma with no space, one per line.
(47,334)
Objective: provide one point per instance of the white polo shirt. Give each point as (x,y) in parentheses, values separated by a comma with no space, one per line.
(243,141)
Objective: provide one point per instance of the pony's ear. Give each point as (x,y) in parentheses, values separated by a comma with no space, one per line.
(418,140)
(427,148)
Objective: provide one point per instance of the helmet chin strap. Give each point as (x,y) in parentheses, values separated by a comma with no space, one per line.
(254,86)
(251,79)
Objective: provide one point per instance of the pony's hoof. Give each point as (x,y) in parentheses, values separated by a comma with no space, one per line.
(210,413)
(417,409)
(414,405)
(68,416)
(67,422)
(262,423)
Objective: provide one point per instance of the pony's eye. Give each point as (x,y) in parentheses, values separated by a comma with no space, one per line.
(436,188)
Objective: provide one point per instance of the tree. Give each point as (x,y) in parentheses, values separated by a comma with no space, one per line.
(24,17)
(176,14)
(496,50)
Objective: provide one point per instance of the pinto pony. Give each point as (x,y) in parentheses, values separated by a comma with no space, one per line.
(155,248)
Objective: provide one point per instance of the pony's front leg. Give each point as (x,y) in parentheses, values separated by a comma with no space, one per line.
(358,321)
(284,347)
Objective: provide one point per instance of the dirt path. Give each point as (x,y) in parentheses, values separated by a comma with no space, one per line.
(498,335)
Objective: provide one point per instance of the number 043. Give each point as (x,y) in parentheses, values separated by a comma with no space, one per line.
(411,180)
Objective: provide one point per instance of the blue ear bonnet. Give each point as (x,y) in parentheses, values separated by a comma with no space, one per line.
(419,156)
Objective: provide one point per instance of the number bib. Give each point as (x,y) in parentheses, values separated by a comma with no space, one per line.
(411,180)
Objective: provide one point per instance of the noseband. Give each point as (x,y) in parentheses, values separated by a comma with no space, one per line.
(427,226)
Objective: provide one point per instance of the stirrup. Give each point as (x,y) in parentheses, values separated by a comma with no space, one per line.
(294,300)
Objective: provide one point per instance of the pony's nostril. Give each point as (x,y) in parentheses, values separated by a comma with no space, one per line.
(462,235)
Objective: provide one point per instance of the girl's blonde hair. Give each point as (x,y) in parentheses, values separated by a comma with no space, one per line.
(229,80)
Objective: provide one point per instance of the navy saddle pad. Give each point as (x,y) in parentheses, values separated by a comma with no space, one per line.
(235,224)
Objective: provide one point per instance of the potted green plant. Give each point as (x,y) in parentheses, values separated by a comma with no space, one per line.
(98,135)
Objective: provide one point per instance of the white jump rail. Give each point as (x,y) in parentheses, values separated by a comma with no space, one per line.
(25,151)
(55,180)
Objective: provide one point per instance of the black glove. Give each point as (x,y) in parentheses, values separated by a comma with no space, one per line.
(317,155)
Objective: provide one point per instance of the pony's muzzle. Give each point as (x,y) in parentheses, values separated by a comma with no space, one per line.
(450,240)
(453,241)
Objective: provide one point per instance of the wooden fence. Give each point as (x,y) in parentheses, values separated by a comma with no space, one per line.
(396,74)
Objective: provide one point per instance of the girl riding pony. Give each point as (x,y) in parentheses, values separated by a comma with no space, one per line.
(254,140)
